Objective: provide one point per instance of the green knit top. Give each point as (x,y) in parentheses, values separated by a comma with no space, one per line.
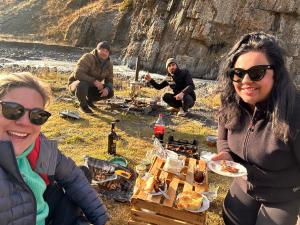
(36,184)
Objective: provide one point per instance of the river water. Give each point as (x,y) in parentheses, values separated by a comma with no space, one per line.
(28,55)
(15,54)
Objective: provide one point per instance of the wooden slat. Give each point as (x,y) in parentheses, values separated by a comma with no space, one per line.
(170,212)
(202,165)
(190,171)
(150,217)
(158,162)
(163,176)
(187,187)
(131,222)
(172,192)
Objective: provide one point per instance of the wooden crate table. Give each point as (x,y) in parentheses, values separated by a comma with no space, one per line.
(150,209)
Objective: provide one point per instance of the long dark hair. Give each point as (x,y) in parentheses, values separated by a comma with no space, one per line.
(283,92)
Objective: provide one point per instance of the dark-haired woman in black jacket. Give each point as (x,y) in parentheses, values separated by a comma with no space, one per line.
(259,128)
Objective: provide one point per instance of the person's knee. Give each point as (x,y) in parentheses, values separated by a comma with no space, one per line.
(82,85)
(188,101)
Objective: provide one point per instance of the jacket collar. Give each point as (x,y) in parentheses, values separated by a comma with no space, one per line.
(8,159)
(262,109)
(102,63)
(177,72)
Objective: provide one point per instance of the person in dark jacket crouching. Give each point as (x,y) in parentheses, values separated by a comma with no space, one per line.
(38,184)
(92,79)
(259,128)
(181,82)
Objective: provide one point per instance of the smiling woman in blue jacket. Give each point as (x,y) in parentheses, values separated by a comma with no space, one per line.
(38,184)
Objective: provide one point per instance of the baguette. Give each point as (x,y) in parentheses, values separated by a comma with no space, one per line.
(149,184)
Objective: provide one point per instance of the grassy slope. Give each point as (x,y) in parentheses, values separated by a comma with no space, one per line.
(89,137)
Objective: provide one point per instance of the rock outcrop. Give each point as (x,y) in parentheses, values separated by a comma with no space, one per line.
(196,32)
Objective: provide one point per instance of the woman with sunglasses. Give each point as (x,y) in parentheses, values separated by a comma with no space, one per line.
(259,128)
(38,184)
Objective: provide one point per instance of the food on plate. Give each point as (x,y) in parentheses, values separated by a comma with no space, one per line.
(228,168)
(190,200)
(159,184)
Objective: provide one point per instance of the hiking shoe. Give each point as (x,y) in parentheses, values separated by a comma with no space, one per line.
(181,112)
(85,109)
(172,109)
(91,104)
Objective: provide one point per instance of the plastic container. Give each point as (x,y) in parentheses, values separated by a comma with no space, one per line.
(141,169)
(159,128)
(119,161)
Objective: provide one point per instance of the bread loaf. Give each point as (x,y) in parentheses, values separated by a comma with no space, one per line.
(190,201)
(149,184)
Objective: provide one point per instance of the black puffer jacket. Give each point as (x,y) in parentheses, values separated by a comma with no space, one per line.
(180,81)
(273,166)
(17,202)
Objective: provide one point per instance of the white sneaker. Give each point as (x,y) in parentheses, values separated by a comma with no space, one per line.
(181,112)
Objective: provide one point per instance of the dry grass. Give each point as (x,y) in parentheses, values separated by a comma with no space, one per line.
(88,136)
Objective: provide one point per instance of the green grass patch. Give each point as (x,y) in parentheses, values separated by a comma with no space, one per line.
(88,136)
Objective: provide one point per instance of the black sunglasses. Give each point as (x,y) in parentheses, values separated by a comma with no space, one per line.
(255,73)
(14,111)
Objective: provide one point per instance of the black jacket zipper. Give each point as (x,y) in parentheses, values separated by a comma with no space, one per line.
(250,129)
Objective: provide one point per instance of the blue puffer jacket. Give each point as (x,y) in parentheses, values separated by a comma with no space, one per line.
(17,202)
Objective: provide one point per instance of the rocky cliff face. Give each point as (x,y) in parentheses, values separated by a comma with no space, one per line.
(196,32)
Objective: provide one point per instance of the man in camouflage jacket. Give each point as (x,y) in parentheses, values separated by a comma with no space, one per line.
(92,79)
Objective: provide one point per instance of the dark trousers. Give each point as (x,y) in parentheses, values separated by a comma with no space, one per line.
(187,102)
(85,92)
(62,211)
(241,209)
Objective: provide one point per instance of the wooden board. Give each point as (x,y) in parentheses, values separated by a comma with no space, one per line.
(149,209)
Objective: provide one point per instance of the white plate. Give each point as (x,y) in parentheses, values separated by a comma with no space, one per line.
(204,206)
(216,167)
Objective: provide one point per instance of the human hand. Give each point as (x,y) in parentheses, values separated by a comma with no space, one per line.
(103,92)
(98,85)
(222,156)
(179,96)
(148,77)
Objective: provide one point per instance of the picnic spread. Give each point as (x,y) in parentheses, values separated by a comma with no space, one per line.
(177,201)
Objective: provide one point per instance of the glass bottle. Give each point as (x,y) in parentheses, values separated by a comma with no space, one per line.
(112,140)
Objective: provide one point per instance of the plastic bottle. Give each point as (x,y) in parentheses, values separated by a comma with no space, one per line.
(159,128)
(112,140)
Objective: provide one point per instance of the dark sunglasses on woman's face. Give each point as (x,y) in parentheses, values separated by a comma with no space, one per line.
(14,111)
(255,73)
